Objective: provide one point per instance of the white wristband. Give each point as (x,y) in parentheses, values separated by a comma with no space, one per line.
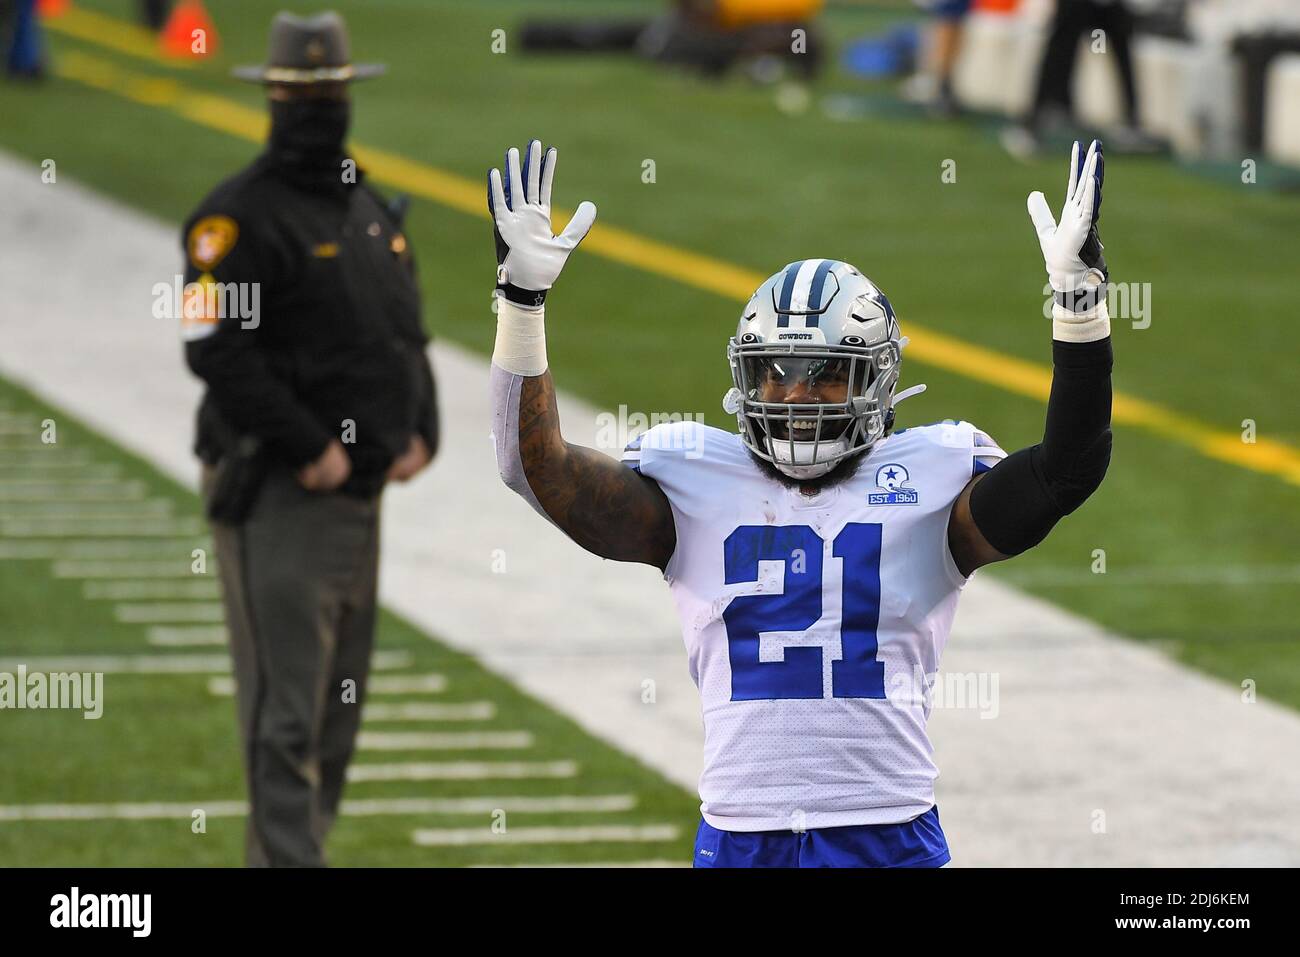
(1087,326)
(521,338)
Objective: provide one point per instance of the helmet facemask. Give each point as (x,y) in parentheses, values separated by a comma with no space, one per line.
(806,408)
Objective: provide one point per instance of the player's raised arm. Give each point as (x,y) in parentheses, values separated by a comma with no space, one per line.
(1013,506)
(601,504)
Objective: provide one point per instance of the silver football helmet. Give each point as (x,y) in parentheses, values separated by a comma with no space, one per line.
(814,363)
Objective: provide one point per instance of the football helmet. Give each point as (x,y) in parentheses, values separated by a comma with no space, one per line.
(814,364)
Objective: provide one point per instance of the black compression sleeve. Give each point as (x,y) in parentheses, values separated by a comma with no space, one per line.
(1018,502)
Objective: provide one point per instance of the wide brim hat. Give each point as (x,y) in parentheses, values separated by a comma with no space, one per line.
(311,49)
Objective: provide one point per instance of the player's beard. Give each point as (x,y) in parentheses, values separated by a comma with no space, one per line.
(843,470)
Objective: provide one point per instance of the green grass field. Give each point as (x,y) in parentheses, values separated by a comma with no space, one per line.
(1201,554)
(168,738)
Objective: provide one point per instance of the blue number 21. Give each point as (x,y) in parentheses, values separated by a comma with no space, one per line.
(857,674)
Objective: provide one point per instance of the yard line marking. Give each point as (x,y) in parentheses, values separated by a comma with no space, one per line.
(121,812)
(30,466)
(443,741)
(221,687)
(161,664)
(71,490)
(44,474)
(595,834)
(927,346)
(124,664)
(135,590)
(165,637)
(92,548)
(94,527)
(461,770)
(116,511)
(224,686)
(110,569)
(559,804)
(164,612)
(601,864)
(67,484)
(419,711)
(407,684)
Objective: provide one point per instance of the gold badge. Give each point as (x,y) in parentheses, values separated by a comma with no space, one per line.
(325,250)
(398,245)
(211,238)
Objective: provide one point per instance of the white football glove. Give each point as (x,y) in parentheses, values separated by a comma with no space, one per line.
(1072,248)
(529,256)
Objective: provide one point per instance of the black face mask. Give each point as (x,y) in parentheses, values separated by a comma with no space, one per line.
(309,129)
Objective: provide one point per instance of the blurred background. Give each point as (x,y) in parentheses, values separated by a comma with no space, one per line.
(720,139)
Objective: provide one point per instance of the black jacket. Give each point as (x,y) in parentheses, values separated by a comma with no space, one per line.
(336,339)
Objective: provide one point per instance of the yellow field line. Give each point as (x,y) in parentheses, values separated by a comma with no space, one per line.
(927,346)
(106,31)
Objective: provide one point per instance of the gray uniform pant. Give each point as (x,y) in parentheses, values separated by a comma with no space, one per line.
(298,581)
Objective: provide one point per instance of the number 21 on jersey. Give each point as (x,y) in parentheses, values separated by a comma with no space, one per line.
(857,674)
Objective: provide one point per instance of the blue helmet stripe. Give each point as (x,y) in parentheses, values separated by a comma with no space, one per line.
(787,291)
(816,290)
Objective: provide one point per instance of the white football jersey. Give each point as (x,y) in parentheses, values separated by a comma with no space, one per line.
(812,624)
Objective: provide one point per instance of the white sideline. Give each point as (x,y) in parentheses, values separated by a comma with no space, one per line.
(1185,773)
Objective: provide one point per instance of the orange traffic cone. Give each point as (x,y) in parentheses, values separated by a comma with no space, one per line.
(52,8)
(189,31)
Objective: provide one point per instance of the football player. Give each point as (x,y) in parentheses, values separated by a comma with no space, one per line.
(816,554)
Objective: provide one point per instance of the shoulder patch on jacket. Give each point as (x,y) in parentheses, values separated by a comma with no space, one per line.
(210,239)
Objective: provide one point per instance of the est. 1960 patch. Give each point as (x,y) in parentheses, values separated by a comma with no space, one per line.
(210,239)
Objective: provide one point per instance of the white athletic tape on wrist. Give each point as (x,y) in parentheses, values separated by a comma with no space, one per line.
(521,338)
(1087,326)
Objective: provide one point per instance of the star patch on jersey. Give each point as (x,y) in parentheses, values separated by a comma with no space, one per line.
(892,478)
(210,239)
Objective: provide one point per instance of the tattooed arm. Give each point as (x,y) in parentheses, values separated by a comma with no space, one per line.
(597,501)
(601,504)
